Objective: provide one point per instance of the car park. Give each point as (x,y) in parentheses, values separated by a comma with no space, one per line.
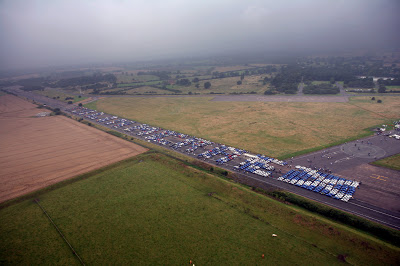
(220,154)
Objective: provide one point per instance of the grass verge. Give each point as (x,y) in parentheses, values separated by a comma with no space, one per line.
(392,162)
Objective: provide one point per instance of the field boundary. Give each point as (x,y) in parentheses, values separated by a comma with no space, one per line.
(63,183)
(59,231)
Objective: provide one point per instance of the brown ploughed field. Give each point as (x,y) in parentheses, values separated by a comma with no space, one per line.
(40,151)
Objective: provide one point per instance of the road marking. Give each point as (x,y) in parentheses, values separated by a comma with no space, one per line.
(379,177)
(344,159)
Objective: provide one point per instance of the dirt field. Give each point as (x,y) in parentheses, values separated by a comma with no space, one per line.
(40,151)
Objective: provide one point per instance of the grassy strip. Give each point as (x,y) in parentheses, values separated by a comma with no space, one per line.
(387,234)
(392,162)
(367,133)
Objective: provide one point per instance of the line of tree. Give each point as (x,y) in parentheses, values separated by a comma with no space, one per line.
(247,72)
(86,80)
(323,88)
(360,83)
(390,82)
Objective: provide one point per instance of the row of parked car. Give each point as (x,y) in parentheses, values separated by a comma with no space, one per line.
(258,165)
(319,182)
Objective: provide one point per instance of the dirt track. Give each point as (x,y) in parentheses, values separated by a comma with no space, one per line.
(40,151)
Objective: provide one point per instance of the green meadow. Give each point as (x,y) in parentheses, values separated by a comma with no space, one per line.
(152,209)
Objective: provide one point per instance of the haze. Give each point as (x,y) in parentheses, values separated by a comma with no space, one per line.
(45,33)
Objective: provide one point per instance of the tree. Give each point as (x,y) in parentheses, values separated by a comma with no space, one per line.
(195,80)
(80,104)
(242,76)
(239,82)
(69,102)
(373,99)
(382,88)
(197,85)
(207,85)
(379,101)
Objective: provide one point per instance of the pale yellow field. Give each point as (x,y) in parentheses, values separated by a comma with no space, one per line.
(272,128)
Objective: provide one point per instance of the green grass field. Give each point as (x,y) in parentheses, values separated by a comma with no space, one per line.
(392,162)
(156,82)
(227,85)
(273,128)
(51,93)
(155,210)
(317,82)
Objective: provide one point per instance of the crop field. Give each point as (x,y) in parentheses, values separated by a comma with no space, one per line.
(40,151)
(152,209)
(272,128)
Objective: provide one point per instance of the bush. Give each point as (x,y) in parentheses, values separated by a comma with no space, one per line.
(373,99)
(69,102)
(80,104)
(379,101)
(323,88)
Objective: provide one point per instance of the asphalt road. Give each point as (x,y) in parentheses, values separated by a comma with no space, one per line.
(337,155)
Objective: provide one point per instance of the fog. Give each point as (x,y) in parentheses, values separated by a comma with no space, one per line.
(52,32)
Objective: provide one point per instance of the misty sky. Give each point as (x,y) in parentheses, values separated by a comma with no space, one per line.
(52,32)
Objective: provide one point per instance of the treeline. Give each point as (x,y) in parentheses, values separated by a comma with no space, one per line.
(325,73)
(390,82)
(33,88)
(288,80)
(32,84)
(246,72)
(86,80)
(323,88)
(360,83)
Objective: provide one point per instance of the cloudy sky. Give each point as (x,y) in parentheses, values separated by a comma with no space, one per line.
(56,32)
